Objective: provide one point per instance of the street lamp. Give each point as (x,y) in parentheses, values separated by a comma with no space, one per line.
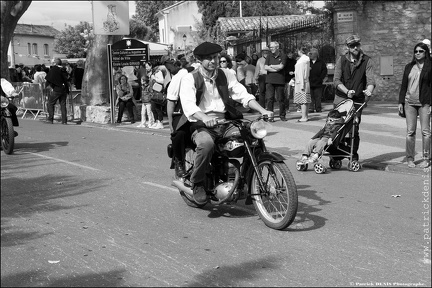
(184,42)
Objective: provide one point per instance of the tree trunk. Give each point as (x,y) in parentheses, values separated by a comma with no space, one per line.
(95,86)
(11,12)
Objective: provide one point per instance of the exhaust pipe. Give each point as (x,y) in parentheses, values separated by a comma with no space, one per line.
(180,185)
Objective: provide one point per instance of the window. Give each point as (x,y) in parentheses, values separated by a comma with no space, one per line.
(29,48)
(46,51)
(34,49)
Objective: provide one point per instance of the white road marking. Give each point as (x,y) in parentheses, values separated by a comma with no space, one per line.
(64,161)
(160,186)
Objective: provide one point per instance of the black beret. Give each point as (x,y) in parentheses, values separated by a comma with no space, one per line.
(207,48)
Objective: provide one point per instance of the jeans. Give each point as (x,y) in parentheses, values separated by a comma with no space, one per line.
(157,110)
(277,90)
(316,94)
(411,113)
(52,100)
(316,145)
(204,139)
(146,112)
(289,93)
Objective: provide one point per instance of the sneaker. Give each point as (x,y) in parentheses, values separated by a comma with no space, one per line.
(304,158)
(157,125)
(199,194)
(141,125)
(313,158)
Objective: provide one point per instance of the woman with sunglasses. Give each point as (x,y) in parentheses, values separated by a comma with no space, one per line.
(415,100)
(226,62)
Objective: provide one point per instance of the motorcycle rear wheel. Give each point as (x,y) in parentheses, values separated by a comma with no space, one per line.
(189,162)
(277,205)
(7,135)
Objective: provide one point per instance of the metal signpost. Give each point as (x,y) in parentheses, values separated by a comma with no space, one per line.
(126,52)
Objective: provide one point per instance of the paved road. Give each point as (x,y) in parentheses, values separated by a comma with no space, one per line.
(81,207)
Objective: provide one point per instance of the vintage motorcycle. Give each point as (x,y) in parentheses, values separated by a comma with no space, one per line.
(7,129)
(242,168)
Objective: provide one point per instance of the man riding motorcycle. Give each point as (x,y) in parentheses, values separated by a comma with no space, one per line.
(8,90)
(207,95)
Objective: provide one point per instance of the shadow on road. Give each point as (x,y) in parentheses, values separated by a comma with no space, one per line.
(26,196)
(36,278)
(37,147)
(233,275)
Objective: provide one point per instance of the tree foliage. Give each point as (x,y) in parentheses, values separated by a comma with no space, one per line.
(145,12)
(139,30)
(11,12)
(73,41)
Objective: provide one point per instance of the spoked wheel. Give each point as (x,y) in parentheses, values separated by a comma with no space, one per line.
(354,166)
(335,164)
(320,168)
(7,135)
(189,162)
(277,203)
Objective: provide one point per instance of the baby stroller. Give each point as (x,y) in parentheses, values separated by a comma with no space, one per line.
(342,146)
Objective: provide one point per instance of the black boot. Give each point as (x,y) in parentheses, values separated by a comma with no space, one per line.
(179,167)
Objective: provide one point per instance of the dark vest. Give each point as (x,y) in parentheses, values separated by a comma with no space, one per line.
(222,87)
(354,81)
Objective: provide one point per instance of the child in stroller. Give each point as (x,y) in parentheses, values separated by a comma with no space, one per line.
(324,137)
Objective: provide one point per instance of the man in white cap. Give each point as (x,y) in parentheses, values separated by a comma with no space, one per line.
(206,95)
(354,79)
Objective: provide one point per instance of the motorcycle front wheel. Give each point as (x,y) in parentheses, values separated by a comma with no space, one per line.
(7,135)
(277,203)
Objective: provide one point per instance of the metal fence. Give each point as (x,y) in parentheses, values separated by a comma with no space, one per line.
(34,98)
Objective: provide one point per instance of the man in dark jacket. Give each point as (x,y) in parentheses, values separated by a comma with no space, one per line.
(354,79)
(289,74)
(317,75)
(57,80)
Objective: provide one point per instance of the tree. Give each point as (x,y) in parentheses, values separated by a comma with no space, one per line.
(11,12)
(139,30)
(73,41)
(146,12)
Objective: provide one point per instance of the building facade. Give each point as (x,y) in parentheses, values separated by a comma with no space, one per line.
(177,26)
(32,44)
(389,30)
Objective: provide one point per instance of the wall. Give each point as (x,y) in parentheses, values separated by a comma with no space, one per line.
(389,31)
(20,49)
(180,20)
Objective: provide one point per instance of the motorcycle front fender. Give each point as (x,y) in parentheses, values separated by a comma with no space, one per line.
(272,156)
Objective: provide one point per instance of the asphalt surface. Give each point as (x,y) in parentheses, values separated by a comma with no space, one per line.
(382,134)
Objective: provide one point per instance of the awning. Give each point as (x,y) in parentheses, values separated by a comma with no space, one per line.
(156,48)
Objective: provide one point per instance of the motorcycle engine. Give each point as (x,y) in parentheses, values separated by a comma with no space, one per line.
(232,147)
(222,190)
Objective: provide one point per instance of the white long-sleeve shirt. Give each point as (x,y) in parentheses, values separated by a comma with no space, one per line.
(211,101)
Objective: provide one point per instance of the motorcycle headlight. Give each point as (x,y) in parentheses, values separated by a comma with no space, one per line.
(4,102)
(259,129)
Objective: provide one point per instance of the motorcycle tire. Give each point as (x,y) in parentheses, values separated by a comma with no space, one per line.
(189,161)
(7,135)
(277,205)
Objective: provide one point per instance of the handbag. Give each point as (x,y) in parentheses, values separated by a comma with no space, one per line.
(402,114)
(158,97)
(157,87)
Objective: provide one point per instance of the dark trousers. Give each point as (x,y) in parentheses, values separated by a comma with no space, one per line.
(52,100)
(157,110)
(262,90)
(129,106)
(316,94)
(252,88)
(13,109)
(275,91)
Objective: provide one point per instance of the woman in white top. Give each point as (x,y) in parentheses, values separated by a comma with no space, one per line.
(302,88)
